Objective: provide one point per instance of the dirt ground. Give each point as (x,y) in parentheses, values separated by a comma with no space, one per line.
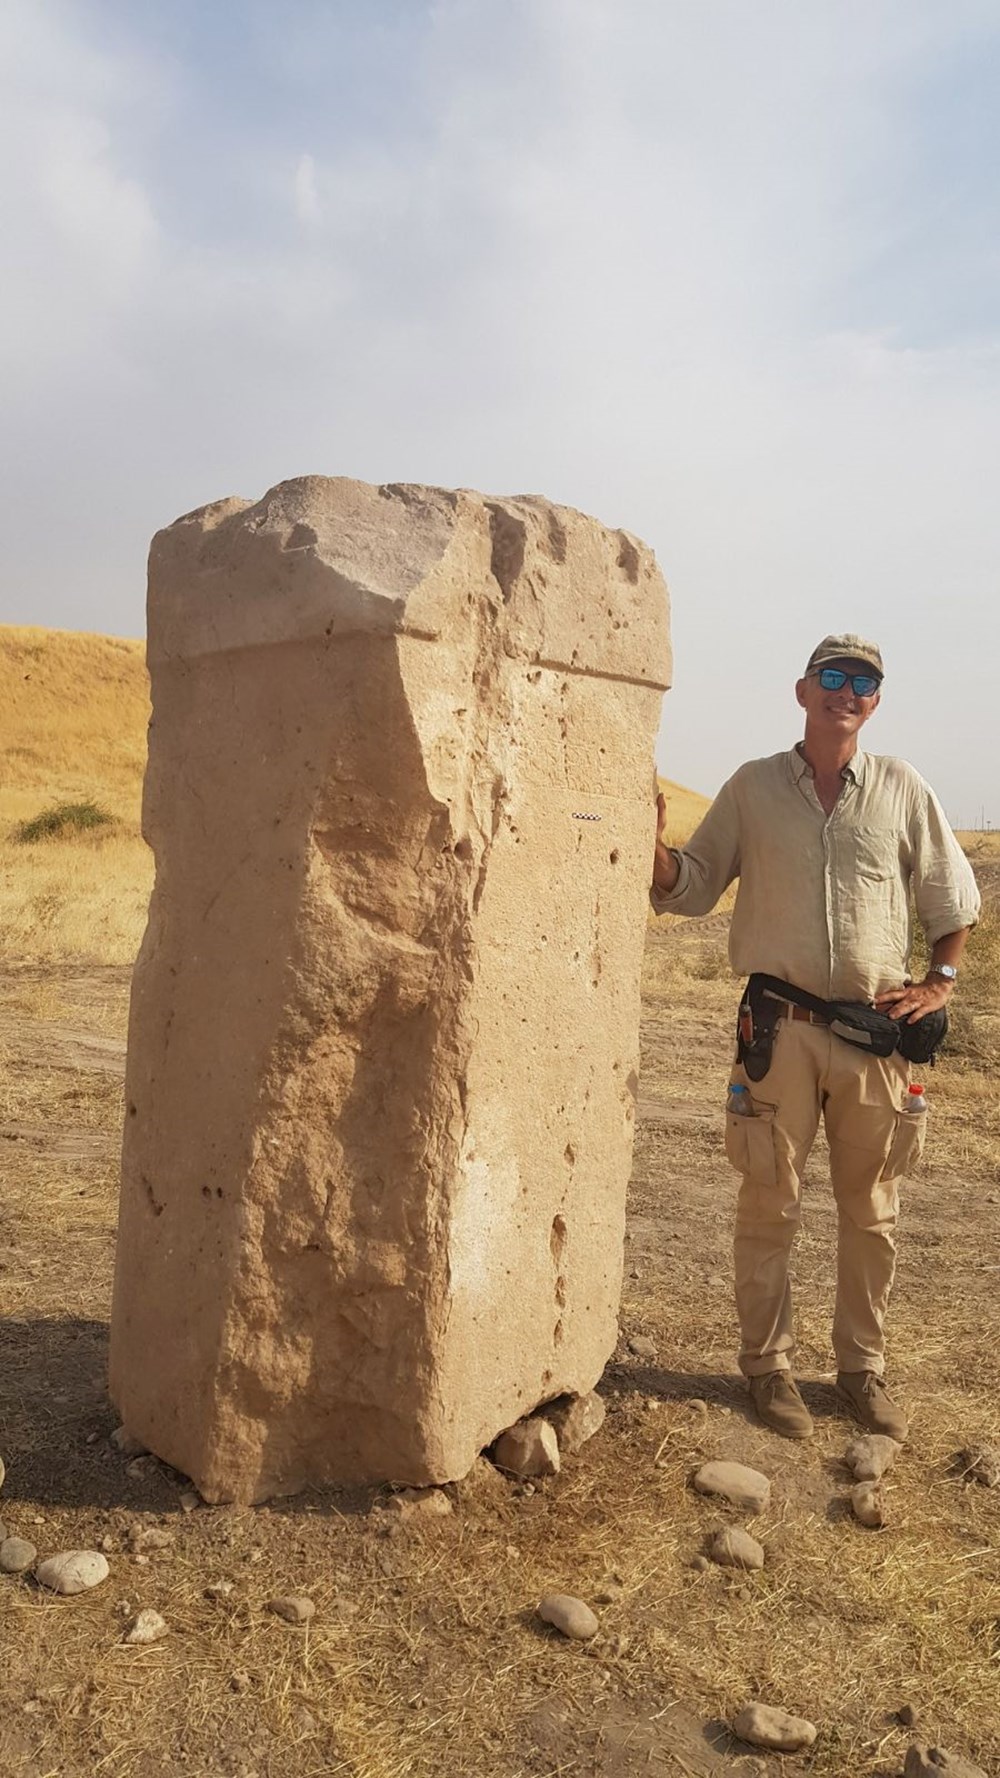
(425,1656)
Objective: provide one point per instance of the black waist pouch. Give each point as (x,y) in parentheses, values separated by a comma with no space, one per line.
(857,1023)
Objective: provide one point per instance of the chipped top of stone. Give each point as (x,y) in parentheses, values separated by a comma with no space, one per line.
(325,557)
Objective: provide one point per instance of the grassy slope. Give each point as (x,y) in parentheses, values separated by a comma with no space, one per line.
(73,715)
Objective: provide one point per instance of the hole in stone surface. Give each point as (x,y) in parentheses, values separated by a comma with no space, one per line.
(557,1241)
(569,1155)
(132,1110)
(615,855)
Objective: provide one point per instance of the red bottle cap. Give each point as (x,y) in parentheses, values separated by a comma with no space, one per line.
(915,1088)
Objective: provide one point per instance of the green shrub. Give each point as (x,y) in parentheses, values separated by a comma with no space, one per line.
(62,821)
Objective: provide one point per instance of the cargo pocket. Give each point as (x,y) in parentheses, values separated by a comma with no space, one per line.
(750,1144)
(907,1145)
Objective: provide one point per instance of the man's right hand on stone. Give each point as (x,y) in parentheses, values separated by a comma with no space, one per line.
(665,865)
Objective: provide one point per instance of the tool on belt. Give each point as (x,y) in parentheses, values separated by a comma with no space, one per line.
(767,999)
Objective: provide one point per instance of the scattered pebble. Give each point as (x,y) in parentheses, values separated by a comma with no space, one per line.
(907,1716)
(189,1501)
(701,1564)
(108,1544)
(936,1762)
(72,1571)
(611,1589)
(868,1458)
(735,1482)
(764,1726)
(146,1626)
(732,1548)
(17,1555)
(641,1346)
(239,1681)
(124,1442)
(419,1503)
(295,1608)
(575,1421)
(527,1449)
(572,1617)
(3,1471)
(138,1469)
(149,1537)
(218,1589)
(980,1463)
(868,1505)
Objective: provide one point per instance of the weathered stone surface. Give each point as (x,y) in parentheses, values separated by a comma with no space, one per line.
(735,1482)
(936,1762)
(869,1457)
(72,1571)
(574,1422)
(529,1448)
(764,1726)
(572,1617)
(732,1548)
(383,1032)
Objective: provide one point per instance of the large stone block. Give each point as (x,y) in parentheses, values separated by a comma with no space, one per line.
(383,1037)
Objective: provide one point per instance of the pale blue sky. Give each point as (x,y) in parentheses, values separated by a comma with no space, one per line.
(725,272)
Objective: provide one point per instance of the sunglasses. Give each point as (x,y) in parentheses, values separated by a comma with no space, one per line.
(863,685)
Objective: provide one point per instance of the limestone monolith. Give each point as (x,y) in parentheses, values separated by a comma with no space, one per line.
(383,1036)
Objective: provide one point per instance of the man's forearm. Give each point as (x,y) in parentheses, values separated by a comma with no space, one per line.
(948,949)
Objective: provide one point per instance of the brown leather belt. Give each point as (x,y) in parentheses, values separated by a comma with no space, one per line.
(786,1010)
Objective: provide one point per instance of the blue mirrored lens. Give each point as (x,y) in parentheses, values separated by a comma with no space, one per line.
(863,685)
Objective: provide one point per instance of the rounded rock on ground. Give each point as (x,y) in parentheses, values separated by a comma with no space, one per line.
(641,1346)
(936,1762)
(764,1726)
(419,1503)
(530,1448)
(72,1571)
(17,1555)
(735,1482)
(294,1608)
(732,1548)
(868,1505)
(146,1626)
(572,1617)
(868,1458)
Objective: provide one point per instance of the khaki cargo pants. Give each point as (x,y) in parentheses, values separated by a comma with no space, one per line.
(873,1144)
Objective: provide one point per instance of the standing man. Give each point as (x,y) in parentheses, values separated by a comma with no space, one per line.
(827,842)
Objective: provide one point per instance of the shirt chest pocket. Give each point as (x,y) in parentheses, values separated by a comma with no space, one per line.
(876,855)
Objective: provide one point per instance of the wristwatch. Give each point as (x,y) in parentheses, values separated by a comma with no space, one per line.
(948,970)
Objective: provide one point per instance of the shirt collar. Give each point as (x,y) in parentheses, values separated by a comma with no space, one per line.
(856,769)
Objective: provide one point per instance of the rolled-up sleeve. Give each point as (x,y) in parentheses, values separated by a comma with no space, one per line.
(944,888)
(708,863)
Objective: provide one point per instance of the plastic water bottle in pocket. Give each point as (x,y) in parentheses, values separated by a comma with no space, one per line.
(915,1102)
(739,1100)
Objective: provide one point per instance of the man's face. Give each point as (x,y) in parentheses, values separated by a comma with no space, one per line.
(839,712)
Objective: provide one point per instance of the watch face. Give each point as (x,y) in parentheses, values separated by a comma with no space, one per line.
(946,969)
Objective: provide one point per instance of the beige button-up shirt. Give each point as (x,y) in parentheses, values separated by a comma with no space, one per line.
(824,901)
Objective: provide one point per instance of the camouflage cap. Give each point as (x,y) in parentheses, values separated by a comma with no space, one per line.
(845,648)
